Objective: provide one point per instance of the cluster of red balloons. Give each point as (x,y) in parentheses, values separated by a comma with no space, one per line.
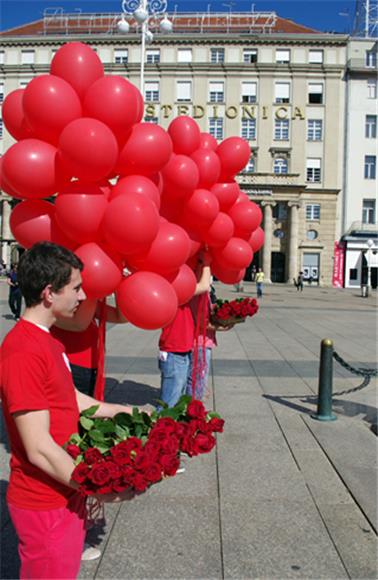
(127,193)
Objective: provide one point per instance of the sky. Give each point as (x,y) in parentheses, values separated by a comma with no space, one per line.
(323,15)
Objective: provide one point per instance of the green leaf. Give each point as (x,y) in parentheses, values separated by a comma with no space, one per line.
(124,419)
(170,412)
(162,403)
(86,423)
(78,459)
(96,435)
(90,411)
(213,415)
(102,448)
(75,439)
(104,425)
(122,432)
(138,431)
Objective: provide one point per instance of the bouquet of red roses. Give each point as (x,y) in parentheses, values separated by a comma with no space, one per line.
(227,312)
(134,451)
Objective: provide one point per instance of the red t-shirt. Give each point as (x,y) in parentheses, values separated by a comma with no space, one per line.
(81,347)
(35,376)
(179,335)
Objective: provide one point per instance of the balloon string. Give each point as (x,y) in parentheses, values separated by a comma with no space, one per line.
(198,366)
(99,390)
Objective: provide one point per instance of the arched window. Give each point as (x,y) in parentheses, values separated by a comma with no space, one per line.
(280,165)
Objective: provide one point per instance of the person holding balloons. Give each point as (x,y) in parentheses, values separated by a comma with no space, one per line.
(176,342)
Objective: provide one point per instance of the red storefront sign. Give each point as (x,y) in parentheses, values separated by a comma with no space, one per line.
(338,265)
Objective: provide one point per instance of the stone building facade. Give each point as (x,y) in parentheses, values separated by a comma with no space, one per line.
(278,84)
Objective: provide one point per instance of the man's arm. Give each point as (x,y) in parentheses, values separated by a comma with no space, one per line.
(41,449)
(104,410)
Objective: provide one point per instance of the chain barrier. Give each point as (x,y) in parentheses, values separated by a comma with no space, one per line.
(362,372)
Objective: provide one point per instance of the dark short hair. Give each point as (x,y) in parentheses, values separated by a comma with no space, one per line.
(44,264)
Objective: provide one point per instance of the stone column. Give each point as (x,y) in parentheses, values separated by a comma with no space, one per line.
(267,247)
(6,234)
(293,241)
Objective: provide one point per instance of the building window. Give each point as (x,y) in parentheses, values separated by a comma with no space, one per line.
(152,55)
(315,93)
(313,173)
(280,211)
(150,119)
(1,92)
(280,166)
(282,56)
(368,211)
(216,55)
(282,93)
(2,56)
(249,92)
(278,233)
(353,273)
(371,58)
(151,91)
(184,55)
(250,55)
(315,56)
(251,166)
(184,91)
(311,235)
(372,88)
(314,130)
(248,129)
(216,127)
(313,212)
(281,129)
(27,56)
(1,128)
(370,166)
(371,126)
(23,84)
(216,92)
(120,56)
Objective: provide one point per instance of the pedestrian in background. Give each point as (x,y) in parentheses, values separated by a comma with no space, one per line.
(299,283)
(15,296)
(260,277)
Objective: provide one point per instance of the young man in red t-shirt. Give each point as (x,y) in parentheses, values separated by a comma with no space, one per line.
(41,409)
(176,344)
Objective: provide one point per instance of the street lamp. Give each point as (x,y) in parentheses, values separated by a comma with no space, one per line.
(142,11)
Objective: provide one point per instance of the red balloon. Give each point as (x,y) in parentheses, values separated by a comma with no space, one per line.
(78,64)
(13,116)
(147,300)
(59,237)
(114,101)
(88,149)
(227,194)
(50,103)
(246,216)
(208,165)
(201,209)
(131,223)
(256,239)
(195,242)
(79,213)
(30,221)
(225,275)
(169,250)
(220,231)
(146,151)
(235,255)
(207,141)
(184,283)
(234,154)
(242,197)
(29,168)
(185,135)
(106,188)
(180,176)
(157,178)
(171,209)
(102,272)
(4,185)
(136,184)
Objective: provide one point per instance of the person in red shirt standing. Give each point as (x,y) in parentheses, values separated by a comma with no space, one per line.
(41,409)
(176,344)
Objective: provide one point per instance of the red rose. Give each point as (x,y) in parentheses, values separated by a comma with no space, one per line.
(80,472)
(73,450)
(152,449)
(196,410)
(142,461)
(118,485)
(216,425)
(187,446)
(140,483)
(131,444)
(105,489)
(100,473)
(203,443)
(121,454)
(93,455)
(180,429)
(169,464)
(128,475)
(153,473)
(170,446)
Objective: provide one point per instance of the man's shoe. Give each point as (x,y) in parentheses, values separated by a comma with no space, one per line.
(90,553)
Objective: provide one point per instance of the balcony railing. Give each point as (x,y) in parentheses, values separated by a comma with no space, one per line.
(269,179)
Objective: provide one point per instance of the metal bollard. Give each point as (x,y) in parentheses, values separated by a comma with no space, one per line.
(324,412)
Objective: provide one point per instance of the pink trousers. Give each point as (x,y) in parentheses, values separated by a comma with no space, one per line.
(51,541)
